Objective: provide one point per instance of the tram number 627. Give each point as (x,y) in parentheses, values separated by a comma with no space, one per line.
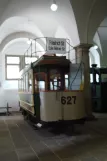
(69,100)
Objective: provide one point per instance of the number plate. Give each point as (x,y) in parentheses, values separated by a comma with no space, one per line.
(69,100)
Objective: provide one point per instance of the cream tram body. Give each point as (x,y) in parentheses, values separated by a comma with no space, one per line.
(44,92)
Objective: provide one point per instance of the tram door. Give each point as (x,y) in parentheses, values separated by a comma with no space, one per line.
(40,85)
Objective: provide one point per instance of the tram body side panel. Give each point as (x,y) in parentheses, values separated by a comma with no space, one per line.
(27,102)
(57,106)
(73,105)
(50,109)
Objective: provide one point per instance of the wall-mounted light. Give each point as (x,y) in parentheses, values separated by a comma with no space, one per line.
(54,6)
(95,47)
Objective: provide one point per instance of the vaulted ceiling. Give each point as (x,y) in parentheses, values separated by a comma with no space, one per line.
(74,19)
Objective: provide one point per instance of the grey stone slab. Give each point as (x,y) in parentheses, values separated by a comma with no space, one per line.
(91,145)
(100,154)
(27,154)
(41,149)
(71,159)
(28,131)
(9,156)
(66,152)
(52,144)
(50,158)
(18,138)
(6,144)
(3,126)
(4,133)
(89,159)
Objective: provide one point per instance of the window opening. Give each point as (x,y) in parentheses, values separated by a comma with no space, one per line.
(55,79)
(40,81)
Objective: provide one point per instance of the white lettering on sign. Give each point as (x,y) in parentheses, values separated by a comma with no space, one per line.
(55,45)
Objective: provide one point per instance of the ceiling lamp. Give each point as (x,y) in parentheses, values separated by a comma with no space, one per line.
(95,47)
(54,6)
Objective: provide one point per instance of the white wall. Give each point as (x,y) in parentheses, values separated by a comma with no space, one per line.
(94,57)
(9,89)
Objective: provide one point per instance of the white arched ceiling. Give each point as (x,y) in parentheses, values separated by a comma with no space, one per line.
(19,46)
(88,15)
(16,47)
(19,24)
(17,35)
(62,33)
(38,13)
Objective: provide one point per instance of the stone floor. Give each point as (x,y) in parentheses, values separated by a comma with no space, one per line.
(21,142)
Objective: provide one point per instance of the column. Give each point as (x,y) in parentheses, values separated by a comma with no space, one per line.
(82,55)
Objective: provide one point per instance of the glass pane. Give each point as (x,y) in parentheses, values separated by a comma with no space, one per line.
(66,76)
(13,60)
(91,78)
(13,72)
(24,78)
(51,86)
(66,83)
(19,84)
(30,82)
(97,78)
(41,85)
(28,60)
(27,82)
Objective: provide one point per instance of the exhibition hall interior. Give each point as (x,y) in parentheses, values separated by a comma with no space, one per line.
(53,80)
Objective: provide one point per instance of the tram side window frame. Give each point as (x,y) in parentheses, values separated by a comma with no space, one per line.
(30,84)
(55,87)
(27,82)
(66,75)
(37,85)
(20,84)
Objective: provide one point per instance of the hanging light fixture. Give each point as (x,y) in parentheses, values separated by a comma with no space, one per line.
(54,6)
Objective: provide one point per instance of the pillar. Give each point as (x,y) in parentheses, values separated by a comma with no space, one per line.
(82,55)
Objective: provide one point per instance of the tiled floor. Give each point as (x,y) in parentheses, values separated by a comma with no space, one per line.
(21,142)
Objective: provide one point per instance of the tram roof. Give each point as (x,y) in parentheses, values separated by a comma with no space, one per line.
(47,60)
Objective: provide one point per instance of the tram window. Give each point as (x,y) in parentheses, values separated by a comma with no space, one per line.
(66,81)
(30,82)
(36,85)
(19,84)
(24,82)
(41,85)
(91,78)
(40,81)
(27,82)
(55,79)
(55,84)
(97,78)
